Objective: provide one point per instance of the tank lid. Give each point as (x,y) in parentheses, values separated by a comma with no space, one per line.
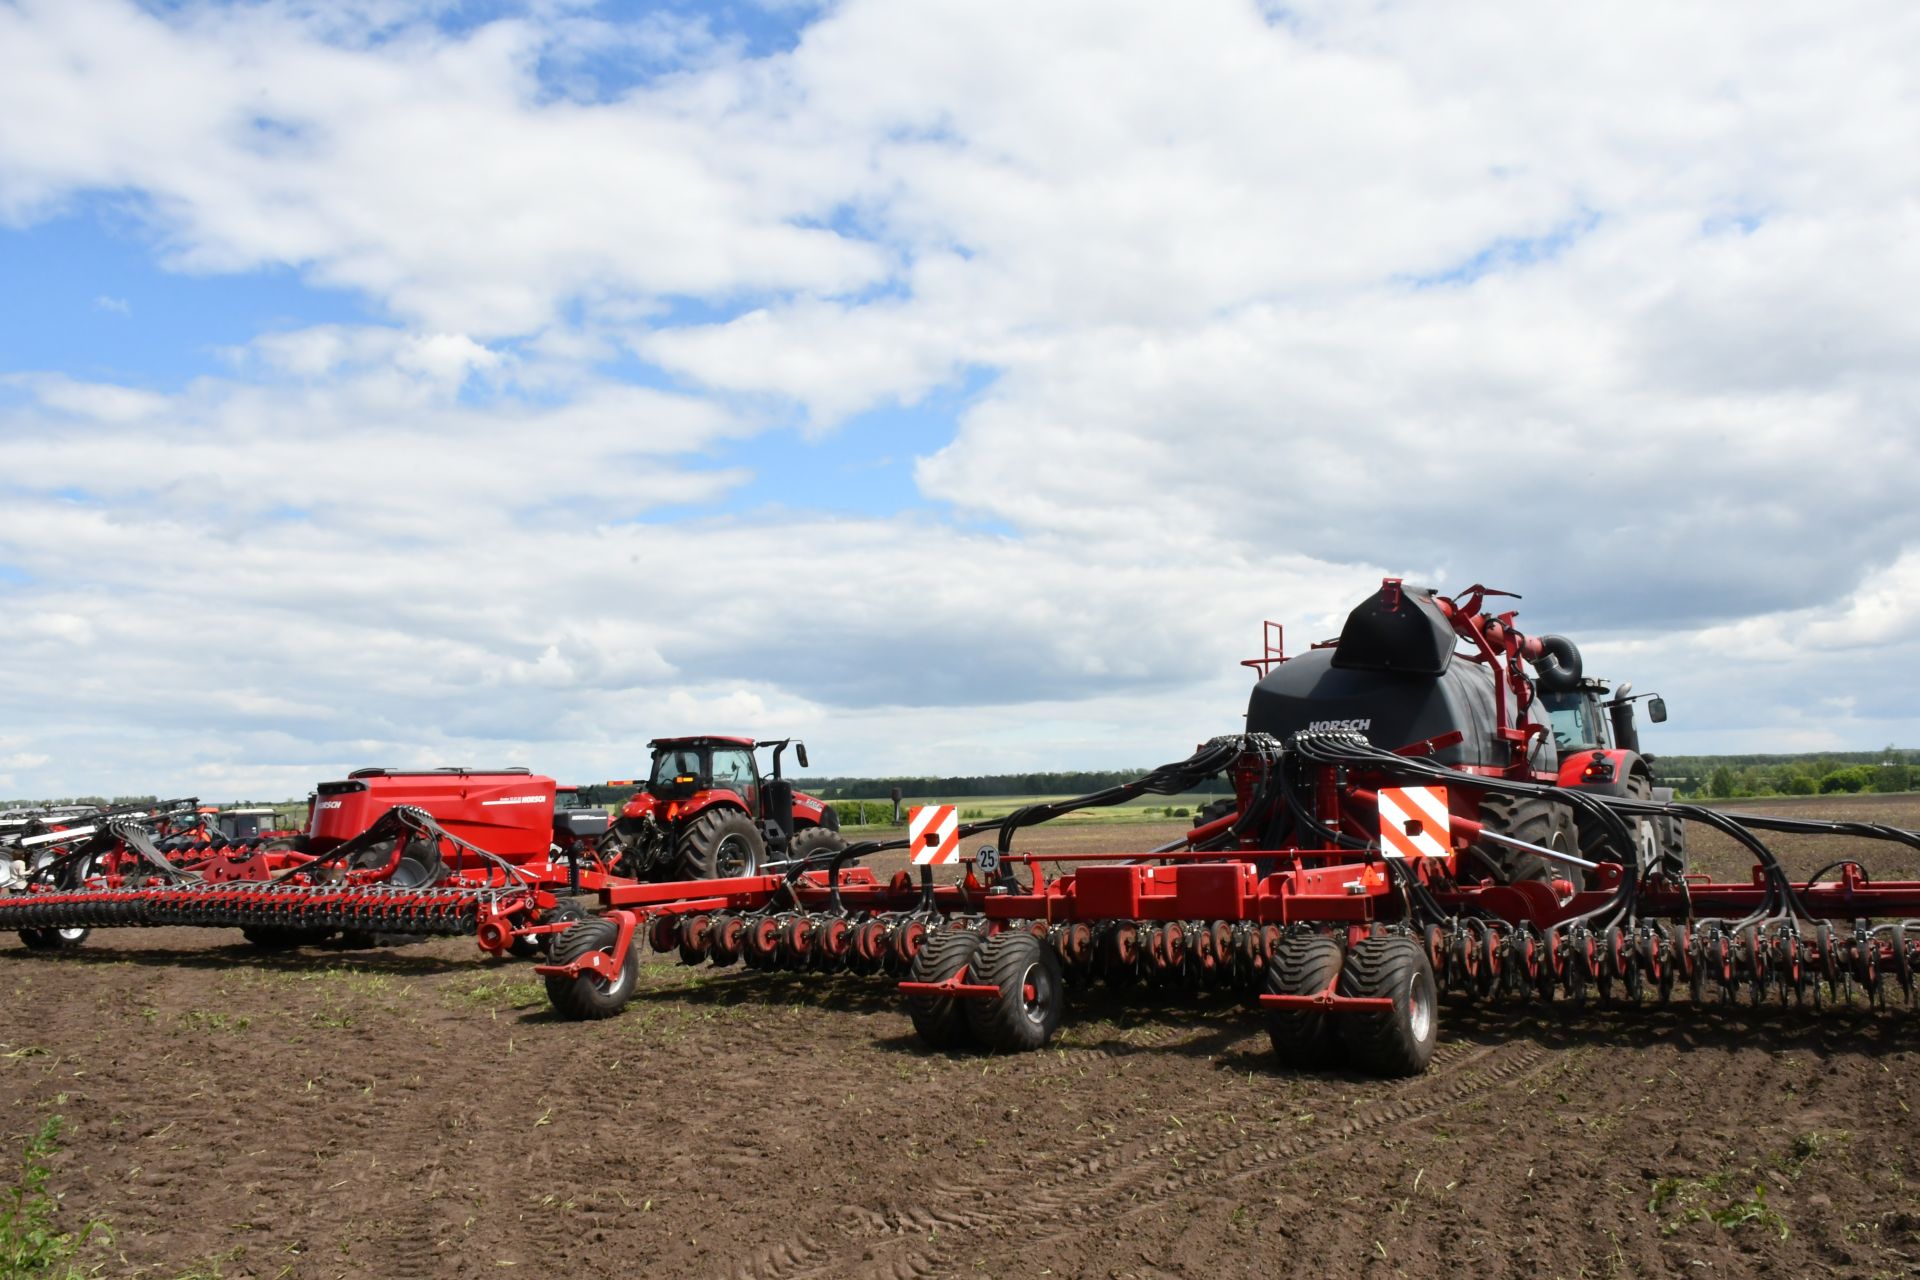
(1398,628)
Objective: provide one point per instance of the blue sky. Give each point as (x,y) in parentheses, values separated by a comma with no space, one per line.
(957,385)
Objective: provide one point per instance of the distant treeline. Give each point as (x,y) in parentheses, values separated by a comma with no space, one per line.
(1708,777)
(1804,774)
(103,802)
(992,784)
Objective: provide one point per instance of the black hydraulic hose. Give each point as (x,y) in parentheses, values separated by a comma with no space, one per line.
(1781,893)
(1208,762)
(1351,749)
(1411,888)
(1814,879)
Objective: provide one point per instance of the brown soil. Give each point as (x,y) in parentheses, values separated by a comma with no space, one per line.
(418,1112)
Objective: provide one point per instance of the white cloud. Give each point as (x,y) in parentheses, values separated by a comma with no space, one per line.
(1609,307)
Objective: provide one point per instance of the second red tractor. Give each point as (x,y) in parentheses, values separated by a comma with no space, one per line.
(707,812)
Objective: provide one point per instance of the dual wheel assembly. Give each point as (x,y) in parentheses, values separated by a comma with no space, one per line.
(1393,1035)
(1020,1014)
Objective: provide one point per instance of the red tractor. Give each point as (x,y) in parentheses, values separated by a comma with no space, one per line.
(707,812)
(1599,749)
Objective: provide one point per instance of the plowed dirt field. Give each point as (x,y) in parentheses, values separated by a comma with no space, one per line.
(418,1111)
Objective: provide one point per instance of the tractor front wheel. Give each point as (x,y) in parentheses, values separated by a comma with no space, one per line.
(720,844)
(588,997)
(814,841)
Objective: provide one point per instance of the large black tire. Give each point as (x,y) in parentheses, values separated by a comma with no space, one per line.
(1304,964)
(588,997)
(1535,820)
(815,840)
(1598,844)
(1215,810)
(1026,1013)
(941,1022)
(269,937)
(1398,1041)
(1672,836)
(53,939)
(720,843)
(527,948)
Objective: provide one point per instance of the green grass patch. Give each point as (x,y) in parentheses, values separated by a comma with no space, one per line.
(31,1246)
(1735,1198)
(1717,1199)
(499,992)
(993,808)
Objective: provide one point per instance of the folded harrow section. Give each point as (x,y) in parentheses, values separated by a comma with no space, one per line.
(393,878)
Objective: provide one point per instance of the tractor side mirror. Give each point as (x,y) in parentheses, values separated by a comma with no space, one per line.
(800,753)
(1657,709)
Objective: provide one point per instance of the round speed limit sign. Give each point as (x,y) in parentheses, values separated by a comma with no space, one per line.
(988,860)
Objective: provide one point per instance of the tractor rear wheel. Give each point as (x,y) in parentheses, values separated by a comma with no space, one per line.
(1535,820)
(1304,964)
(719,844)
(941,1022)
(588,997)
(1026,1013)
(1397,1041)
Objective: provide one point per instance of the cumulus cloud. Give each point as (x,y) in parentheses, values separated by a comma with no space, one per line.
(1251,306)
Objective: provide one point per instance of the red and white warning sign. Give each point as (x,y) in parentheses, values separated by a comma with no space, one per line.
(1414,823)
(933,833)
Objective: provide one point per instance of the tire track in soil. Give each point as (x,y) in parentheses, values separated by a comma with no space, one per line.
(805,1255)
(1140,1175)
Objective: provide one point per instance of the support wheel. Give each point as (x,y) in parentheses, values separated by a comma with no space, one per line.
(1026,1013)
(719,844)
(272,937)
(1397,1041)
(528,948)
(1304,964)
(53,939)
(941,1022)
(589,997)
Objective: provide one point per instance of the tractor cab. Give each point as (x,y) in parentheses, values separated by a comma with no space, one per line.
(686,767)
(1585,718)
(707,810)
(246,824)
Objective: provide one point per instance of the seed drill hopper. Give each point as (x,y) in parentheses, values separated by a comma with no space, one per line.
(388,852)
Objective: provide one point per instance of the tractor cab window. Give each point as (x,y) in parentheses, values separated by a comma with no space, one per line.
(733,769)
(1573,726)
(671,764)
